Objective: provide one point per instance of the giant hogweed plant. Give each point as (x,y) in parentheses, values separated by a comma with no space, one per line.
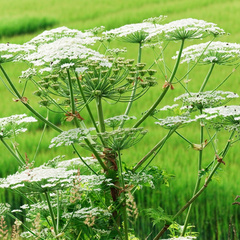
(91,196)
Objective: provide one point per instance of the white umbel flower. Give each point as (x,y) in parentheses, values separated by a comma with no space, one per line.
(185,29)
(134,33)
(182,238)
(65,51)
(222,53)
(13,125)
(13,52)
(206,99)
(69,137)
(57,33)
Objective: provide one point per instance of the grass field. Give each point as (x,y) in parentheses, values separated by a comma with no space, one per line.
(213,211)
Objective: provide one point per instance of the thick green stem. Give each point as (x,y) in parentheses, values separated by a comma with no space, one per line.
(100,114)
(152,108)
(87,106)
(72,101)
(78,124)
(58,212)
(207,78)
(21,163)
(159,145)
(207,181)
(51,213)
(38,115)
(48,122)
(123,206)
(134,87)
(198,176)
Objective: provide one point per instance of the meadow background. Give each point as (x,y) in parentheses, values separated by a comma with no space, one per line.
(213,214)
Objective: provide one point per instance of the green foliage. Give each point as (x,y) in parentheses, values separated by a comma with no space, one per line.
(158,215)
(113,14)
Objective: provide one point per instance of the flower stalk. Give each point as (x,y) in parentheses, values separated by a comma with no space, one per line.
(200,191)
(160,98)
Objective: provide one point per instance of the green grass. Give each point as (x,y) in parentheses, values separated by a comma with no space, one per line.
(19,26)
(213,210)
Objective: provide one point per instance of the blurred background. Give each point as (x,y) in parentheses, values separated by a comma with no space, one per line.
(213,214)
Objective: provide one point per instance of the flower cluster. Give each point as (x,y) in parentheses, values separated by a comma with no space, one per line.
(47,178)
(185,29)
(222,53)
(206,99)
(13,52)
(69,137)
(171,122)
(14,125)
(39,179)
(114,122)
(133,33)
(123,138)
(139,180)
(226,117)
(57,33)
(63,53)
(114,83)
(182,238)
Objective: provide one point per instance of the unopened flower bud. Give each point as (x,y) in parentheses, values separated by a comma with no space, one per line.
(44,103)
(121,90)
(144,84)
(37,93)
(140,66)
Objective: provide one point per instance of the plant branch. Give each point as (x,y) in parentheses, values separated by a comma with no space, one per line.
(159,145)
(207,181)
(51,213)
(21,163)
(152,108)
(207,78)
(38,115)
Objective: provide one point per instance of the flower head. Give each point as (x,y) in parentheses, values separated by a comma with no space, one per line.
(64,53)
(222,53)
(13,52)
(14,124)
(185,29)
(49,36)
(37,179)
(206,99)
(134,33)
(172,121)
(69,137)
(227,117)
(123,138)
(115,121)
